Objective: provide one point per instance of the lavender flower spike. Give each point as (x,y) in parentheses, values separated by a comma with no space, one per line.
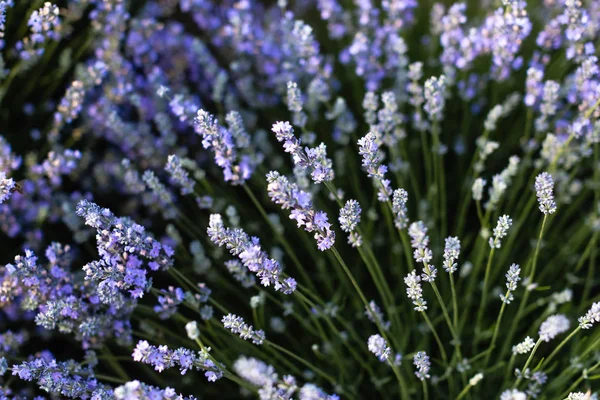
(289,196)
(237,325)
(378,346)
(544,187)
(250,253)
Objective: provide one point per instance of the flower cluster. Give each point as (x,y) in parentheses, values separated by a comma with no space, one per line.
(544,187)
(500,231)
(237,325)
(378,346)
(250,253)
(289,196)
(349,219)
(553,326)
(203,125)
(513,276)
(162,358)
(314,159)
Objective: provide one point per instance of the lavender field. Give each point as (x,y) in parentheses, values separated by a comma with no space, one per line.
(308,200)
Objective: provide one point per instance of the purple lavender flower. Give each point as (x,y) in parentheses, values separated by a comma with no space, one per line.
(169,301)
(451,253)
(553,326)
(289,196)
(237,325)
(250,253)
(138,390)
(544,187)
(6,187)
(122,243)
(349,219)
(372,159)
(435,92)
(399,200)
(423,365)
(378,346)
(68,379)
(236,169)
(179,175)
(162,358)
(313,158)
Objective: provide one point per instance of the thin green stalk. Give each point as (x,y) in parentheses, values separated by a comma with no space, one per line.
(303,361)
(362,297)
(464,391)
(560,346)
(529,359)
(584,375)
(445,313)
(437,338)
(523,302)
(496,330)
(281,239)
(454,303)
(484,290)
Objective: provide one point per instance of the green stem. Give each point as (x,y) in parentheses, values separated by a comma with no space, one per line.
(529,359)
(437,338)
(560,346)
(484,290)
(496,330)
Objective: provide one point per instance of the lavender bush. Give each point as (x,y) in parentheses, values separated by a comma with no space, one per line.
(321,199)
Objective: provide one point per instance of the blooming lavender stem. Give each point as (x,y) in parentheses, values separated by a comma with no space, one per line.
(544,187)
(250,253)
(290,196)
(237,325)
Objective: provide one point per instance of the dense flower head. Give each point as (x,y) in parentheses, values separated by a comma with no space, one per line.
(350,216)
(139,390)
(68,379)
(422,363)
(591,317)
(553,326)
(435,92)
(513,276)
(179,175)
(414,291)
(7,186)
(500,231)
(371,156)
(420,241)
(378,346)
(524,347)
(477,189)
(544,188)
(125,249)
(451,253)
(399,208)
(273,386)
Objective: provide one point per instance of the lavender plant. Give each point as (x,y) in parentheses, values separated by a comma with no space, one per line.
(248,199)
